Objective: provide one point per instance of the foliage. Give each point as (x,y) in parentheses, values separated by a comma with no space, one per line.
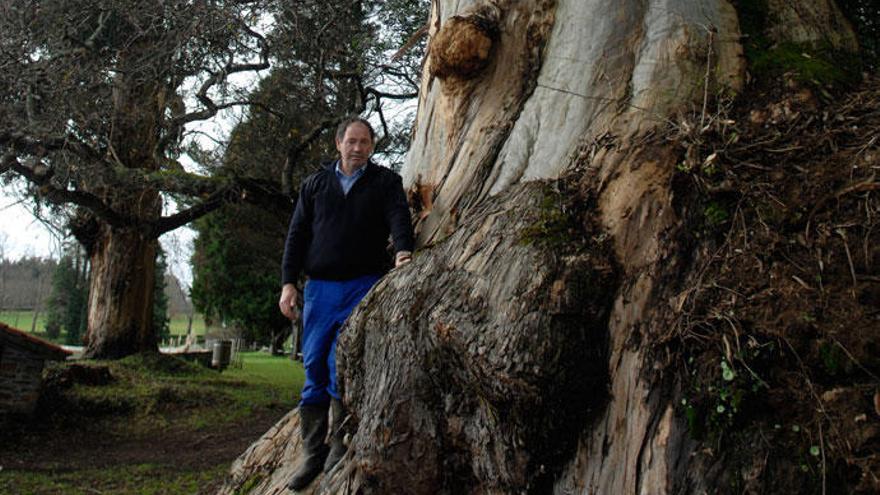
(236,270)
(98,99)
(110,80)
(69,298)
(400,28)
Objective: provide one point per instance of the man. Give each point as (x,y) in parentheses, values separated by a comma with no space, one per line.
(338,235)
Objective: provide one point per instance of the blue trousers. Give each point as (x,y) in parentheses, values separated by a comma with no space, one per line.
(326,307)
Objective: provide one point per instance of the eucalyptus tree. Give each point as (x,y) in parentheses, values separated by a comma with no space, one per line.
(530,347)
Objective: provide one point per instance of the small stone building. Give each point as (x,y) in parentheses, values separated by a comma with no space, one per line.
(22,357)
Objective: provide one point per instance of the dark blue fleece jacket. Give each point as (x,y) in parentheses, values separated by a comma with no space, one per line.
(334,236)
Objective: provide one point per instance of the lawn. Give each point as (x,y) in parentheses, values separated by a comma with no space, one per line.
(22,320)
(178,324)
(144,424)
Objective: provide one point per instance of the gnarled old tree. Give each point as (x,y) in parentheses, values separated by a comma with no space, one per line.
(527,347)
(93,115)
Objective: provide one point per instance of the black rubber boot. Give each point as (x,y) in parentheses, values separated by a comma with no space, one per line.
(313,427)
(337,446)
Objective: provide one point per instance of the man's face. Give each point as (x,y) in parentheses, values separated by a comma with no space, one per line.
(356,146)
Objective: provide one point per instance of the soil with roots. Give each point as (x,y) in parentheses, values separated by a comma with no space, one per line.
(778,344)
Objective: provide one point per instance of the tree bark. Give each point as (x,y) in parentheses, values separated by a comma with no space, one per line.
(551,253)
(120,309)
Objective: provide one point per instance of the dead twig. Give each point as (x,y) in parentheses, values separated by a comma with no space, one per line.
(869,184)
(852,270)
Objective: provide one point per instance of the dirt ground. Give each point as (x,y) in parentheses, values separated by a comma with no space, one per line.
(149,424)
(41,449)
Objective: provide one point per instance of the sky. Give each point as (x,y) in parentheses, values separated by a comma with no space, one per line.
(21,234)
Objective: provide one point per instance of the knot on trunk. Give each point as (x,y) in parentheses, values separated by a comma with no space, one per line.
(463,46)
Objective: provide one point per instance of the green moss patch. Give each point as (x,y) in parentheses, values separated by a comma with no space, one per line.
(819,66)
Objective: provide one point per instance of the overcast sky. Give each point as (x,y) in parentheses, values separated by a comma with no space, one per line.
(20,233)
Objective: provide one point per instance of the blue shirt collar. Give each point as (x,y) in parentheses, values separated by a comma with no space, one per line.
(347,181)
(357,173)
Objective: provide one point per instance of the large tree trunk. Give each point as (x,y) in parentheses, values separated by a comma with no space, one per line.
(552,255)
(123,259)
(120,309)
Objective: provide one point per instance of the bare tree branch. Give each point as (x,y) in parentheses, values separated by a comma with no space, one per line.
(42,176)
(210,107)
(296,149)
(239,189)
(26,143)
(211,203)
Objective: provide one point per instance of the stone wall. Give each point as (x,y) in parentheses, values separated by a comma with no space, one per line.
(20,379)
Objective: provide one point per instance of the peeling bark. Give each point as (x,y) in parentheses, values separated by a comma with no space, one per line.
(473,382)
(476,368)
(123,267)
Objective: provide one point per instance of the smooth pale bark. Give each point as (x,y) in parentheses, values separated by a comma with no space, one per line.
(574,89)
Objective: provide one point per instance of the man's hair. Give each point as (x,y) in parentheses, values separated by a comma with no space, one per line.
(343,126)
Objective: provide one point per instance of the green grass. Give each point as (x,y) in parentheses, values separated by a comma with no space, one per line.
(145,479)
(179,324)
(23,319)
(259,367)
(153,390)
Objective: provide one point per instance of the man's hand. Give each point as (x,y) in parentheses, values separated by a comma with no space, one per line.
(287,303)
(402,258)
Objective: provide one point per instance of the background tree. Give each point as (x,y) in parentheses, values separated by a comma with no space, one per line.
(97,98)
(610,293)
(67,304)
(63,280)
(21,279)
